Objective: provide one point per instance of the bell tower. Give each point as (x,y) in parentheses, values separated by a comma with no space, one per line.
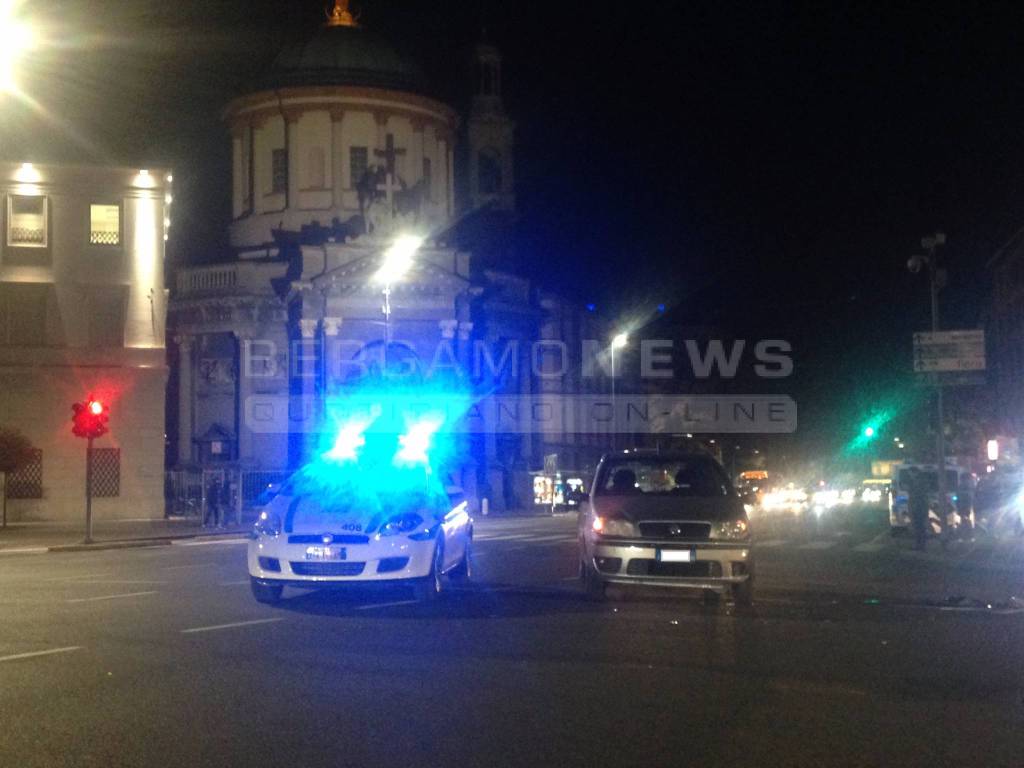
(491,135)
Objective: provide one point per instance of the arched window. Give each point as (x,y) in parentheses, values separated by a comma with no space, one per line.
(489,171)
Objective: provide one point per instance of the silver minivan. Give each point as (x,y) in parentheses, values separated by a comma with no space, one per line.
(665,519)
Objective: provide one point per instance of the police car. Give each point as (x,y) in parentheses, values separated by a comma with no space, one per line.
(378,515)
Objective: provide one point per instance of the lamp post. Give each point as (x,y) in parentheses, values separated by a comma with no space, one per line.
(936,281)
(619,341)
(397,261)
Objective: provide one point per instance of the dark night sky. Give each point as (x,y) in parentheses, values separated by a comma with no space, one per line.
(764,168)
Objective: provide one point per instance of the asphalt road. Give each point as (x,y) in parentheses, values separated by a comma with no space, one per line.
(852,655)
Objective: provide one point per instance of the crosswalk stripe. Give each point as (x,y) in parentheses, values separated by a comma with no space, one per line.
(818,545)
(770,543)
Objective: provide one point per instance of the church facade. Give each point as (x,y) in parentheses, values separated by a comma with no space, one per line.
(339,151)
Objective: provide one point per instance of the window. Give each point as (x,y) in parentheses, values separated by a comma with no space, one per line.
(104,224)
(428,177)
(27,482)
(106,472)
(23,314)
(315,168)
(26,221)
(279,171)
(489,172)
(358,160)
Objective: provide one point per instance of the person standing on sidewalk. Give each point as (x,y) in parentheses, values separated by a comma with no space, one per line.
(214,492)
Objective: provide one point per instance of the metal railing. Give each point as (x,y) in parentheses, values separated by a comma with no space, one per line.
(187,491)
(207,279)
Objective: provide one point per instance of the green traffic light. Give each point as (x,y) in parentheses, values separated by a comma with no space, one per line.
(869,431)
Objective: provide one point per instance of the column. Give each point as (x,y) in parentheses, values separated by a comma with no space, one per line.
(243,389)
(185,399)
(339,160)
(332,327)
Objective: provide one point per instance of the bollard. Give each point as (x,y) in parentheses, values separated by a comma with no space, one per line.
(485,506)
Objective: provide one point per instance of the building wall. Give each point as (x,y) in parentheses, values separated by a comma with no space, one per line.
(102,312)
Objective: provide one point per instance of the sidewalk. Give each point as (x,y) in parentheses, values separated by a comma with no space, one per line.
(36,537)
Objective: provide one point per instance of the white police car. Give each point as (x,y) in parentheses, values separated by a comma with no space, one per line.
(358,520)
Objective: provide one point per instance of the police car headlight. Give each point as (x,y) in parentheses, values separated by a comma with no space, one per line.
(400,524)
(267,524)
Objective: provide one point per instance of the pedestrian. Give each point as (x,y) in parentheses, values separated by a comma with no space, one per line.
(225,503)
(917,506)
(213,502)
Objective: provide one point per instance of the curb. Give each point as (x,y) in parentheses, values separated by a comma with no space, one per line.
(99,546)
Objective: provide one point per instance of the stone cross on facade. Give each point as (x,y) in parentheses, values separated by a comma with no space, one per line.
(389,187)
(390,153)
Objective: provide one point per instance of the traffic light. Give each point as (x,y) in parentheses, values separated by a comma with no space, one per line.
(90,418)
(869,431)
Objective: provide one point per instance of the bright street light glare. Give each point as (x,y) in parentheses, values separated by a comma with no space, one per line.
(620,341)
(398,259)
(16,37)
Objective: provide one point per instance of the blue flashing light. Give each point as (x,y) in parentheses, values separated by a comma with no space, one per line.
(350,439)
(417,441)
(591,307)
(661,309)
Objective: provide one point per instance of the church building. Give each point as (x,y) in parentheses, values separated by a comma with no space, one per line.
(340,151)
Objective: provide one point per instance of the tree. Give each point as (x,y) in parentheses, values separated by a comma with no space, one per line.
(15,453)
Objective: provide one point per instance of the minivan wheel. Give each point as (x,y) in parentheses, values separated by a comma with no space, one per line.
(743,593)
(593,585)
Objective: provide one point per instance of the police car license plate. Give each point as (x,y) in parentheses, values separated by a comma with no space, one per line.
(325,553)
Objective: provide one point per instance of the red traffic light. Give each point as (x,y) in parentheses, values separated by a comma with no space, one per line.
(90,419)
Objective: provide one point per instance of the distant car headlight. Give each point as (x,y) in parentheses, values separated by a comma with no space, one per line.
(400,524)
(613,526)
(732,529)
(267,524)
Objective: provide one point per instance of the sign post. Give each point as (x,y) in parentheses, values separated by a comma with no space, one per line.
(947,358)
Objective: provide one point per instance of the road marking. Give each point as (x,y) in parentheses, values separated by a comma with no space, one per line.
(770,543)
(109,597)
(215,627)
(183,567)
(218,542)
(117,581)
(76,578)
(818,545)
(24,551)
(33,654)
(234,583)
(385,605)
(875,545)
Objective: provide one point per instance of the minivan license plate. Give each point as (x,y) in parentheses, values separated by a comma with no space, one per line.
(676,555)
(325,553)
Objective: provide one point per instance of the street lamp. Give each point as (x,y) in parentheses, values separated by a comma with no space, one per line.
(397,261)
(619,341)
(16,37)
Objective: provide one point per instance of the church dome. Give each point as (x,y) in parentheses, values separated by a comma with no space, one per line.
(346,55)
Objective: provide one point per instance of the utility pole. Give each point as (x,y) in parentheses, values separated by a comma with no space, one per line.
(936,277)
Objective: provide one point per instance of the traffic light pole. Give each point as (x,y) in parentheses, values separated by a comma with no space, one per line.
(88,492)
